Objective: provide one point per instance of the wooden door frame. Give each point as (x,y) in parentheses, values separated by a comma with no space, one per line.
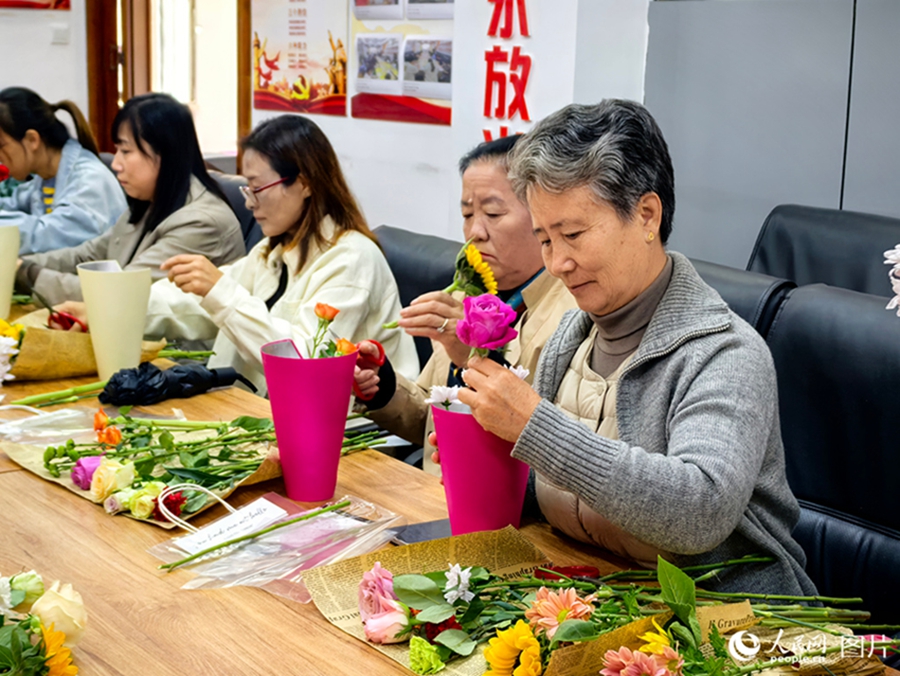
(136,47)
(102,65)
(245,73)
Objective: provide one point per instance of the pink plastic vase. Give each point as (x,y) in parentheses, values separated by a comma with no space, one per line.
(310,399)
(484,484)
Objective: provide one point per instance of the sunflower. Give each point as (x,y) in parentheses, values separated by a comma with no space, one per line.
(514,652)
(482,269)
(655,643)
(59,658)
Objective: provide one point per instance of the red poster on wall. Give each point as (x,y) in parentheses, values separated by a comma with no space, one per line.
(300,56)
(35,4)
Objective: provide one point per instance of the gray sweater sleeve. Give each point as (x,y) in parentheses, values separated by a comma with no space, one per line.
(686,498)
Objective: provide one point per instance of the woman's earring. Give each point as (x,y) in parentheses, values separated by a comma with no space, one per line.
(650,237)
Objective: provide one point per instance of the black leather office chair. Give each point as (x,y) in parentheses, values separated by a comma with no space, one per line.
(753,296)
(420,263)
(231,185)
(826,246)
(837,355)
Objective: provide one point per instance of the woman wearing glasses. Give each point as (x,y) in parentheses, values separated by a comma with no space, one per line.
(174,205)
(317,249)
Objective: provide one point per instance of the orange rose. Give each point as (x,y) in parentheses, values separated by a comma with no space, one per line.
(100,420)
(326,312)
(344,346)
(110,436)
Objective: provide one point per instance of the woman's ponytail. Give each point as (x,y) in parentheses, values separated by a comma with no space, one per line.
(82,128)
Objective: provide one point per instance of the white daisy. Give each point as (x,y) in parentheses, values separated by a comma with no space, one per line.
(443,396)
(519,371)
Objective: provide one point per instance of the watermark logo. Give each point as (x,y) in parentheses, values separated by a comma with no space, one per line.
(743,646)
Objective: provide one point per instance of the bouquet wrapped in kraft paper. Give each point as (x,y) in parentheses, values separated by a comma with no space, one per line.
(45,354)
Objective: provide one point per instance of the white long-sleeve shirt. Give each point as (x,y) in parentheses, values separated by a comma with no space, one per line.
(352,276)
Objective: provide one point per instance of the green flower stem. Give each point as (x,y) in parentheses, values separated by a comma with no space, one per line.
(61,394)
(68,400)
(174,353)
(778,597)
(651,574)
(390,325)
(794,620)
(256,534)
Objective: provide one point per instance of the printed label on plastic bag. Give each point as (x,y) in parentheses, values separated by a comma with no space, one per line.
(252,517)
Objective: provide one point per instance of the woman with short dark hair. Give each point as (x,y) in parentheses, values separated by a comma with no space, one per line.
(72,196)
(653,430)
(174,206)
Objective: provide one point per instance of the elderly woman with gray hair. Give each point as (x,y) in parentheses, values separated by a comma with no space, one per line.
(654,426)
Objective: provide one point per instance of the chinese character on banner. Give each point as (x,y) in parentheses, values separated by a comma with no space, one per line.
(504,9)
(507,68)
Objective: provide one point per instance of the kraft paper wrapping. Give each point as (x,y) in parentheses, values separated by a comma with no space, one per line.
(50,355)
(9,254)
(116,302)
(503,552)
(31,457)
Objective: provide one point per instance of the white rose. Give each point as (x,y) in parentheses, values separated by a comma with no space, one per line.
(62,607)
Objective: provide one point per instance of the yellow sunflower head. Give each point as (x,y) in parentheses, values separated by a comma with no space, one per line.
(514,652)
(482,269)
(58,658)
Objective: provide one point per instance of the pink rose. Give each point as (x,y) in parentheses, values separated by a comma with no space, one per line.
(385,626)
(486,324)
(377,584)
(84,470)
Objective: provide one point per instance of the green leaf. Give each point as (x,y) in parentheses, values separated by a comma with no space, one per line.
(196,500)
(125,410)
(187,460)
(572,631)
(141,441)
(198,476)
(479,574)
(250,424)
(144,467)
(167,440)
(16,596)
(417,591)
(717,642)
(438,577)
(436,614)
(458,641)
(683,634)
(473,611)
(680,594)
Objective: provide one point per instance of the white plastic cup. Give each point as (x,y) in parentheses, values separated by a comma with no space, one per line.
(116,303)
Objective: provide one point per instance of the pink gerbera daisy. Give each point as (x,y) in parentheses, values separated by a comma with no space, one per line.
(550,609)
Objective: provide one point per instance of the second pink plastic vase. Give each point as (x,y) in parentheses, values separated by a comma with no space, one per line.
(310,399)
(484,484)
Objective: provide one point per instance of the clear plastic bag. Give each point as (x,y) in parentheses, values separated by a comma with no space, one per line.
(275,561)
(48,427)
(53,427)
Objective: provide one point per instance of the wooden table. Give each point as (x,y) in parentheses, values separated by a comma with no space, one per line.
(142,623)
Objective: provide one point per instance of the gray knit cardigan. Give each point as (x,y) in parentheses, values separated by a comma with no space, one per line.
(698,470)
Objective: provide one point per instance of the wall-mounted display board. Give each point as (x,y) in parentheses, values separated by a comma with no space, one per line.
(402,60)
(300,56)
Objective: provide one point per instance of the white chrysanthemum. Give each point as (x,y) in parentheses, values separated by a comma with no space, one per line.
(519,371)
(443,396)
(5,596)
(457,586)
(7,352)
(892,256)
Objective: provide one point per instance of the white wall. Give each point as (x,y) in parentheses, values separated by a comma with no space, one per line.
(30,60)
(215,106)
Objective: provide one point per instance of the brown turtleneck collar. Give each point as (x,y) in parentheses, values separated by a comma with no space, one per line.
(619,333)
